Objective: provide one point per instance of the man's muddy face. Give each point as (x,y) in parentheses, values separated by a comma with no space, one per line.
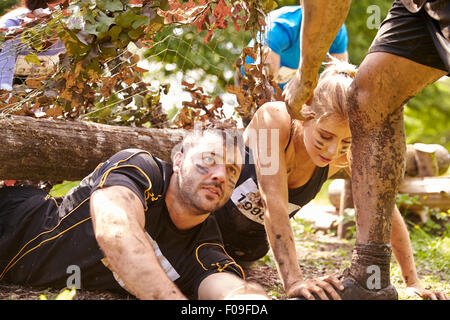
(208,174)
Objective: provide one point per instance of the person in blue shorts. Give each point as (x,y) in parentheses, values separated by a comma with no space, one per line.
(281,40)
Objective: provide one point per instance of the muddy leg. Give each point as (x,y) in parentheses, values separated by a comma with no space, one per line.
(383,84)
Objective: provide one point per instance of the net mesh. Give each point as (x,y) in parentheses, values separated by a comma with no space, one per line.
(128,62)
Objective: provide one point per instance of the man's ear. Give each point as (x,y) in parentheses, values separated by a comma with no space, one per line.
(177,160)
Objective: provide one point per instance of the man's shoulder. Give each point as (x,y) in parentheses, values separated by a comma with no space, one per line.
(135,156)
(140,161)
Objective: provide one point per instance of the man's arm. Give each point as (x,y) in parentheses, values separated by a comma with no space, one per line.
(340,56)
(320,24)
(225,285)
(118,219)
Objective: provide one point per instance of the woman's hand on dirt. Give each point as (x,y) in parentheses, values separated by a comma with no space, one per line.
(320,286)
(417,289)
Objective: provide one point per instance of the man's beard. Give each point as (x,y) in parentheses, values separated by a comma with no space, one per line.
(188,193)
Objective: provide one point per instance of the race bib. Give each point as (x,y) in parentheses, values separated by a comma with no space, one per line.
(247,199)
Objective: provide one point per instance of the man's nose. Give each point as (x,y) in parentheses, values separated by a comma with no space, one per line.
(219,173)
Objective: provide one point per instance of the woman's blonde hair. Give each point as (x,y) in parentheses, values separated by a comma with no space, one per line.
(330,95)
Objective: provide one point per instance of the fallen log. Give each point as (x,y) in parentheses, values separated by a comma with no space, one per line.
(56,150)
(426,160)
(432,192)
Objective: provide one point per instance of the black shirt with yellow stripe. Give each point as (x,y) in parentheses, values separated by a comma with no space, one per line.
(42,238)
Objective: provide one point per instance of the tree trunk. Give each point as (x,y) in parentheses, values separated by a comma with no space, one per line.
(56,150)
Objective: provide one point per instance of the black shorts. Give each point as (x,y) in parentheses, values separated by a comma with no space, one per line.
(414,36)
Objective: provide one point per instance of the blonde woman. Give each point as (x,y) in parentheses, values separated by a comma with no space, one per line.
(303,155)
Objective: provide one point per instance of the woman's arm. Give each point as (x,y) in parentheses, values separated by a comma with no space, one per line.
(118,219)
(273,121)
(268,134)
(401,247)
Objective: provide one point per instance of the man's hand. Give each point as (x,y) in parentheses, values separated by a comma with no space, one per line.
(297,92)
(417,289)
(225,285)
(320,286)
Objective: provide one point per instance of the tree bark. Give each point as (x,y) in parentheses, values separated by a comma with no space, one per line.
(56,150)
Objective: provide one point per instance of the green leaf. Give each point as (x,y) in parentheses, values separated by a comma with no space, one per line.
(125,19)
(140,21)
(136,34)
(100,24)
(33,58)
(66,294)
(114,32)
(114,5)
(104,22)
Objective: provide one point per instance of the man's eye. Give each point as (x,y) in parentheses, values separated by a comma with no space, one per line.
(208,160)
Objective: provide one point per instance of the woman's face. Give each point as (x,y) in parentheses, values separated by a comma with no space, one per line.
(326,139)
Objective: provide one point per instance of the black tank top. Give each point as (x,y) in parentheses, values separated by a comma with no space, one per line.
(299,196)
(246,198)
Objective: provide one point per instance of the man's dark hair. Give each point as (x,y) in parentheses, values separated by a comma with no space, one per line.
(227,131)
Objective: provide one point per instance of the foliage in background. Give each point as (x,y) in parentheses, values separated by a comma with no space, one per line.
(86,85)
(5,5)
(98,78)
(427,116)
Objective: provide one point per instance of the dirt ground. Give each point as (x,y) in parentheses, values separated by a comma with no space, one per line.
(318,256)
(318,253)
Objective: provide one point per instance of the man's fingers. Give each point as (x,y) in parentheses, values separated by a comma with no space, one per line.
(327,285)
(442,296)
(334,281)
(305,292)
(320,292)
(432,296)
